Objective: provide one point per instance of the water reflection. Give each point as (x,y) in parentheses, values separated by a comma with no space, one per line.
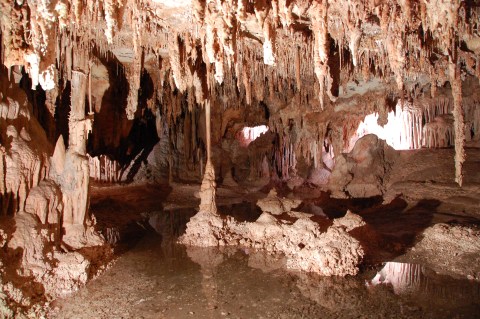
(159,278)
(209,259)
(403,277)
(399,289)
(418,281)
(229,281)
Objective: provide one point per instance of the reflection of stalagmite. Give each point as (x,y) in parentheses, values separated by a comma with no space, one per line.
(209,259)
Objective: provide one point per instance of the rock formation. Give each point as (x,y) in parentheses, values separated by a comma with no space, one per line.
(71,171)
(448,247)
(160,91)
(361,173)
(35,194)
(306,246)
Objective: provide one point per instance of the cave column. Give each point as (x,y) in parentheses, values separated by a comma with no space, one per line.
(207,190)
(75,177)
(78,174)
(208,131)
(459,121)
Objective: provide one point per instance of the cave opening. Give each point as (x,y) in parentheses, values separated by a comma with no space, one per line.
(249,134)
(239,159)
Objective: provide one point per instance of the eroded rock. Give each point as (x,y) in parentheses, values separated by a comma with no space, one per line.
(363,171)
(277,205)
(303,243)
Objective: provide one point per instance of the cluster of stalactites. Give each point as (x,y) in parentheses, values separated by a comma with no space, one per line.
(187,70)
(391,42)
(103,169)
(388,38)
(377,34)
(221,23)
(33,32)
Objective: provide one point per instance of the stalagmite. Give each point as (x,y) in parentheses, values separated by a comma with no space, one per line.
(75,201)
(333,252)
(207,190)
(201,227)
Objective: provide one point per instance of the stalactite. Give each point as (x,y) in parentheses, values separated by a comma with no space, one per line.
(177,57)
(298,72)
(392,28)
(133,73)
(321,49)
(269,54)
(110,19)
(439,133)
(77,6)
(103,169)
(354,42)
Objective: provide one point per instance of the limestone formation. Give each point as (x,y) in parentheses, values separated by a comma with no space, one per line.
(276,205)
(303,243)
(358,100)
(362,172)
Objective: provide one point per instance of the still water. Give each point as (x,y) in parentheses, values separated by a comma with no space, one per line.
(161,279)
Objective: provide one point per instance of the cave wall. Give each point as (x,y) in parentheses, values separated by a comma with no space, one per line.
(306,61)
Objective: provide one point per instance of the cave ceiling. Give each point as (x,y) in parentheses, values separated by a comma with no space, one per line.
(306,59)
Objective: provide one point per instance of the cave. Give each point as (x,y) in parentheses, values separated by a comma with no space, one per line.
(240,159)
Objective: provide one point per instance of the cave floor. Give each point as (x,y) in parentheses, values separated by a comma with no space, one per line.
(165,280)
(153,277)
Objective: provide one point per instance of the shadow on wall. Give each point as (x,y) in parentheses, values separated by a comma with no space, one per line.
(110,124)
(142,138)
(37,98)
(9,204)
(62,112)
